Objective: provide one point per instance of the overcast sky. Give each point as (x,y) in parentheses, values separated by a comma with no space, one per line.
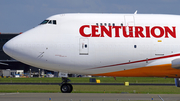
(20,15)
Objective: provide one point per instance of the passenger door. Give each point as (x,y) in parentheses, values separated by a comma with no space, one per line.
(129,21)
(83,46)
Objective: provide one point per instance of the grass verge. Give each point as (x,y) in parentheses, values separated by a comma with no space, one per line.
(90,89)
(86,80)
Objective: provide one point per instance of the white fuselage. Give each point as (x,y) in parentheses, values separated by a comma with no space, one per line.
(99,43)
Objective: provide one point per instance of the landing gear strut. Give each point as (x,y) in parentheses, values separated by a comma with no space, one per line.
(66,87)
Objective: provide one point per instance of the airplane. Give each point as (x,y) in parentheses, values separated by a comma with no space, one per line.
(116,45)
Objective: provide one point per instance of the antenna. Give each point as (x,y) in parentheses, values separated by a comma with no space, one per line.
(135,12)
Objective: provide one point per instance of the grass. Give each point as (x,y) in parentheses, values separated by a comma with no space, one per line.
(29,88)
(130,89)
(90,89)
(86,80)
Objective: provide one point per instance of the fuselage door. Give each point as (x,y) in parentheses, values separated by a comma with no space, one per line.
(129,23)
(159,47)
(83,46)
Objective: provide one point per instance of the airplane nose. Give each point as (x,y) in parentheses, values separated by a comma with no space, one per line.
(14,48)
(8,48)
(20,48)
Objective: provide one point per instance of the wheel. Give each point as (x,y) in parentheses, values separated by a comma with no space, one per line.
(66,88)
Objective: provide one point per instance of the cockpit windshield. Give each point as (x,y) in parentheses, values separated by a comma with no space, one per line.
(48,22)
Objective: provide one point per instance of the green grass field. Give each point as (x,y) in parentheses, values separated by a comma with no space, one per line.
(86,80)
(90,88)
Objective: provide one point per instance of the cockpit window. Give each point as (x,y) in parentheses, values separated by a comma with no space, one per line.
(54,21)
(48,22)
(44,22)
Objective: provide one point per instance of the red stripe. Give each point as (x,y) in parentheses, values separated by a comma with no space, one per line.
(168,56)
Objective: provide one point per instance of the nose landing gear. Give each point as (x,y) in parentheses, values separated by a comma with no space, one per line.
(65,86)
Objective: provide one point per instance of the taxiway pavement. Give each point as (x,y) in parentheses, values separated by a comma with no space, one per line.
(86,97)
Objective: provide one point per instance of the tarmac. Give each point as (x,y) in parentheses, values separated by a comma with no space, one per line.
(86,97)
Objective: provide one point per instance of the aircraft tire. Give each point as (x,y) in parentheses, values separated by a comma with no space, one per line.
(66,88)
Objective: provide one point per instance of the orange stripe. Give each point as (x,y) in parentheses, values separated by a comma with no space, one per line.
(151,71)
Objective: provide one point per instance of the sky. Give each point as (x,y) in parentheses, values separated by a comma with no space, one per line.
(21,15)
